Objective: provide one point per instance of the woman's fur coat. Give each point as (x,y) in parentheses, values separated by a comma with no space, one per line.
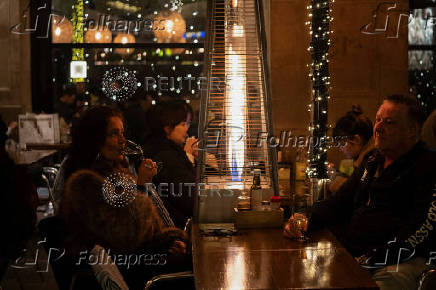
(92,221)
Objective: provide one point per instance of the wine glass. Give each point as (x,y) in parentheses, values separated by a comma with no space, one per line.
(134,150)
(300,215)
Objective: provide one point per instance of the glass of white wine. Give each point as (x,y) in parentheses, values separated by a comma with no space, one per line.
(300,215)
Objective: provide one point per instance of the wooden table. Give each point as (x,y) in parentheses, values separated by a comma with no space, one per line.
(264,259)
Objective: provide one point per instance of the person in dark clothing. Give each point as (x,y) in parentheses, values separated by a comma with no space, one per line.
(356,130)
(386,212)
(176,180)
(19,200)
(66,105)
(95,217)
(137,128)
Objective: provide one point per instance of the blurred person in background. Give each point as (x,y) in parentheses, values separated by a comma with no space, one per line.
(66,105)
(135,115)
(356,130)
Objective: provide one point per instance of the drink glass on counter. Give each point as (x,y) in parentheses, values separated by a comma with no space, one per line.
(300,215)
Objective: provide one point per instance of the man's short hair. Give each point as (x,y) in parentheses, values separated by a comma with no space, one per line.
(414,110)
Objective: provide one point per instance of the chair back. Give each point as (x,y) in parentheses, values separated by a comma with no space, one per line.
(427,280)
(48,176)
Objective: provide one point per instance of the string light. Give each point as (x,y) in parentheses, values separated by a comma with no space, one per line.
(78,54)
(319,30)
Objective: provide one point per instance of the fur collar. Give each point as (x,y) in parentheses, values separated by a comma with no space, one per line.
(93,221)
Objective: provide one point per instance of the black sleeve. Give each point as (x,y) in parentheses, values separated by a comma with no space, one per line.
(175,185)
(337,208)
(416,237)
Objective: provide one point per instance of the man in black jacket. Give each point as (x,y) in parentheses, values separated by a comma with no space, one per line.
(386,212)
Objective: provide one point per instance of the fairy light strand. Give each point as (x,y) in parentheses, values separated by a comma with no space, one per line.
(78,54)
(319,15)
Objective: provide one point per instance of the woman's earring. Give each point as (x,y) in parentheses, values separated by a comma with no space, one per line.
(98,156)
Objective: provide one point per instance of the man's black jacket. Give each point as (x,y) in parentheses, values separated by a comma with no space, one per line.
(380,209)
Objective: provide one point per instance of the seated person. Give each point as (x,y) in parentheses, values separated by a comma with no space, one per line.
(386,210)
(356,130)
(93,217)
(169,124)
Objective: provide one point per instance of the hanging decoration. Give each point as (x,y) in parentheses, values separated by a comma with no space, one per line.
(124,38)
(319,23)
(61,29)
(78,54)
(174,27)
(119,84)
(119,189)
(98,36)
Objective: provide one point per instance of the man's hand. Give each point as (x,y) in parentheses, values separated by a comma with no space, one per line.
(177,248)
(295,226)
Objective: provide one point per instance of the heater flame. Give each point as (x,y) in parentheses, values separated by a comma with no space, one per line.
(235,113)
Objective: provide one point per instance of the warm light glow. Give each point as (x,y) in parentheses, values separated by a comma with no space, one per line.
(62,29)
(238,31)
(124,38)
(235,270)
(78,69)
(98,36)
(169,25)
(235,115)
(234,3)
(174,27)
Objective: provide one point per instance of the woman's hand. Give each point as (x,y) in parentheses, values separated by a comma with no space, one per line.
(147,169)
(178,247)
(191,146)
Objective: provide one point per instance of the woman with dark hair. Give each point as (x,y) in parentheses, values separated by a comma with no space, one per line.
(170,122)
(356,130)
(95,216)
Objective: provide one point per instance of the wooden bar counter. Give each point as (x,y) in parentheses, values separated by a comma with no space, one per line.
(264,259)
